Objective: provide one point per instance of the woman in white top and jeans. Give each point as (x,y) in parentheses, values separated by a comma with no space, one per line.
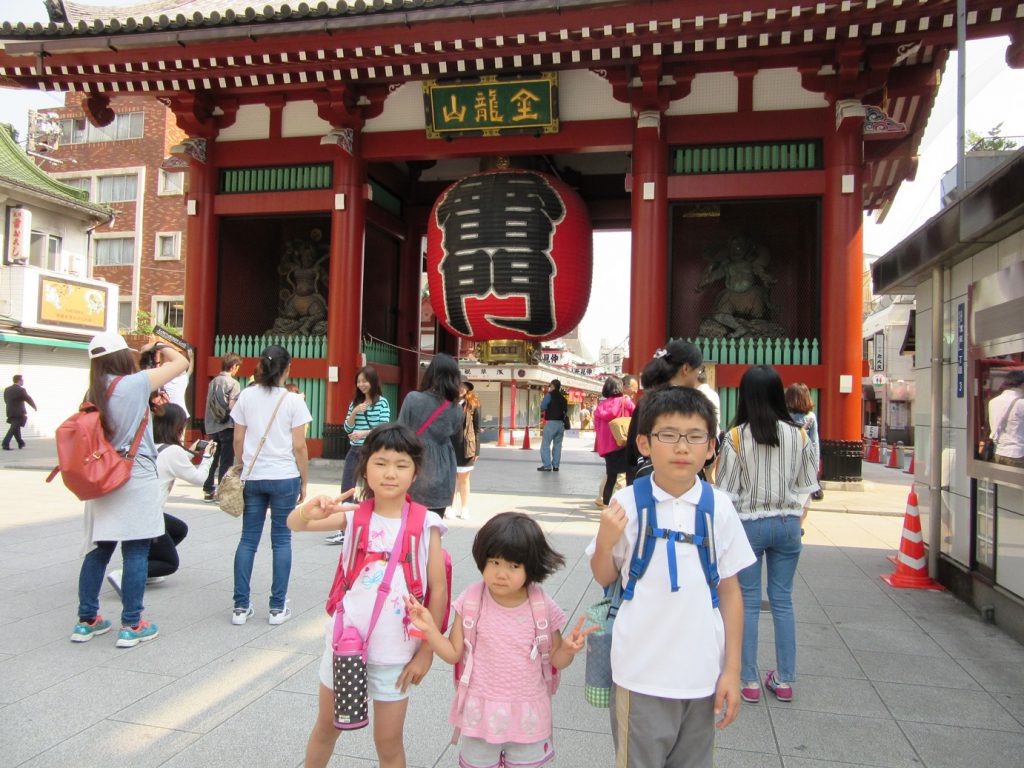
(766,465)
(275,480)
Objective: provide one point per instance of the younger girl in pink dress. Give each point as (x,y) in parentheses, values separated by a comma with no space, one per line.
(505,714)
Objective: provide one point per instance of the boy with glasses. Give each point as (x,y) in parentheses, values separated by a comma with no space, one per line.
(675,656)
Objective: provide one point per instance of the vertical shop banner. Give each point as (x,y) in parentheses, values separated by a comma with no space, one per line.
(19,235)
(960,328)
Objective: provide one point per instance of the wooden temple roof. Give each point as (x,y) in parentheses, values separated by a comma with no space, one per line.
(888,54)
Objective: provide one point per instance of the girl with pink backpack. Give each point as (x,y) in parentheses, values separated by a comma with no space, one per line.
(506,646)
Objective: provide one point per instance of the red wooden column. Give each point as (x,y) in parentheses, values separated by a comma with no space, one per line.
(648,291)
(201,265)
(841,300)
(345,285)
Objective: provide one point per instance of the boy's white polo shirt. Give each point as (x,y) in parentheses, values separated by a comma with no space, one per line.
(672,644)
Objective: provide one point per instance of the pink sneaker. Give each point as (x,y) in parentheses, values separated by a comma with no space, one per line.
(751,692)
(783,691)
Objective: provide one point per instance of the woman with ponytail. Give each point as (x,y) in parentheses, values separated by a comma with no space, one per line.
(270,447)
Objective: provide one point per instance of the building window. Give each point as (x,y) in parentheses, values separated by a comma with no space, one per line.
(170,313)
(78,130)
(168,246)
(124,315)
(170,183)
(117,189)
(115,251)
(45,251)
(83,183)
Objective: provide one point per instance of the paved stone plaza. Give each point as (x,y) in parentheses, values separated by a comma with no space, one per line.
(887,678)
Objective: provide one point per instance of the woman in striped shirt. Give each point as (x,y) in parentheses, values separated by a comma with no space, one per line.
(368,409)
(766,465)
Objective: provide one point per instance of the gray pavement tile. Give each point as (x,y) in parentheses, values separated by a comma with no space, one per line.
(578,749)
(569,709)
(19,636)
(945,706)
(852,582)
(1012,703)
(996,675)
(879,617)
(60,708)
(307,679)
(808,634)
(736,758)
(852,598)
(983,643)
(811,660)
(37,669)
(26,604)
(750,732)
(119,743)
(943,746)
(802,762)
(830,737)
(832,694)
(914,669)
(207,697)
(890,641)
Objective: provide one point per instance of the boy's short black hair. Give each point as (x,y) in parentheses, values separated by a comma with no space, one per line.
(393,437)
(517,538)
(681,400)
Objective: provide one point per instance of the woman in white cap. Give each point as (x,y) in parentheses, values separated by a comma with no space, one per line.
(131,514)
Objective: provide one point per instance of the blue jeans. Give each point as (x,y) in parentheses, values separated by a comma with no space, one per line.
(776,540)
(348,472)
(135,555)
(280,496)
(554,431)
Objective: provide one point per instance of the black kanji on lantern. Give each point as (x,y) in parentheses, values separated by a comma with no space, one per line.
(498,229)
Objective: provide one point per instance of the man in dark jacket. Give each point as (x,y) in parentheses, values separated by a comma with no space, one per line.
(15,398)
(554,408)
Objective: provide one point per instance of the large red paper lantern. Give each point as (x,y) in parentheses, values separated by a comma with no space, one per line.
(509,256)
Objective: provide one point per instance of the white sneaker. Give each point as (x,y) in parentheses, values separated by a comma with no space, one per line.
(338,537)
(155,580)
(465,513)
(241,615)
(280,615)
(114,577)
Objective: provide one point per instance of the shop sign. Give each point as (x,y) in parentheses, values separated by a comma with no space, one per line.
(19,235)
(960,327)
(491,106)
(879,364)
(71,304)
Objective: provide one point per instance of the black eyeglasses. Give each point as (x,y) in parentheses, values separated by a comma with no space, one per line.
(671,438)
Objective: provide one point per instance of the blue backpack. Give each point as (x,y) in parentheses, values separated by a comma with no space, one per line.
(649,533)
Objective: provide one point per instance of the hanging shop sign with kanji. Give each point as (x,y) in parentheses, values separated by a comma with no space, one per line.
(509,256)
(491,106)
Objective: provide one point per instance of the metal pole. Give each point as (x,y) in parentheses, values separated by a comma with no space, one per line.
(935,462)
(961,98)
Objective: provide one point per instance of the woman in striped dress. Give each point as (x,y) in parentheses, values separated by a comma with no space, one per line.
(368,409)
(767,465)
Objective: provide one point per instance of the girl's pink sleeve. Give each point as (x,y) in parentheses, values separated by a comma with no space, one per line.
(458,601)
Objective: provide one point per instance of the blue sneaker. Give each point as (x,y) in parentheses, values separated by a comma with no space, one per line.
(85,630)
(129,637)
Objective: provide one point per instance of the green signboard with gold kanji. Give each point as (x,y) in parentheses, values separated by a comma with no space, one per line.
(491,106)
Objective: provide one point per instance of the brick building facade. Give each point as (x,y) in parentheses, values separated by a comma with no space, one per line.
(142,249)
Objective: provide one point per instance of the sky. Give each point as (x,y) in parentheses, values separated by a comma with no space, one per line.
(994,96)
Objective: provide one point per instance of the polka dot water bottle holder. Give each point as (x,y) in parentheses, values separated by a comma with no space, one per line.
(351,710)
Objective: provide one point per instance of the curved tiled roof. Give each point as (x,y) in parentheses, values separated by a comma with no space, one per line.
(17,170)
(71,19)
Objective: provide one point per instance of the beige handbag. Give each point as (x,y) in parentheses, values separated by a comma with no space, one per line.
(230,496)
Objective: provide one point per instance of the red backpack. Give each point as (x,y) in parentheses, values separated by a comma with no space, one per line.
(357,545)
(88,464)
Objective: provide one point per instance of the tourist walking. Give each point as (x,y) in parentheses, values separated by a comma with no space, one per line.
(467,448)
(433,415)
(801,411)
(615,405)
(368,409)
(221,396)
(131,514)
(16,397)
(270,447)
(555,410)
(767,465)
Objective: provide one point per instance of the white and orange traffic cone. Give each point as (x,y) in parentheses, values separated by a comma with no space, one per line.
(910,470)
(911,562)
(873,453)
(891,464)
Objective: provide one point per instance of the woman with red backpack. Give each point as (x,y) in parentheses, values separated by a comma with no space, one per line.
(132,513)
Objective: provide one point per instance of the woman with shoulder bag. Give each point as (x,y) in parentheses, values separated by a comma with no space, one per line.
(432,414)
(130,514)
(615,405)
(270,449)
(467,448)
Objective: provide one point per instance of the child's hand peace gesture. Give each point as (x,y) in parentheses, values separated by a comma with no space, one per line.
(337,504)
(576,639)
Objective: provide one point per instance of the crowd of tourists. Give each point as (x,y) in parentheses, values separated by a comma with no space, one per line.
(702,507)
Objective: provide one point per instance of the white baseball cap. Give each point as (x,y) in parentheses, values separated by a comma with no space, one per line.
(105,343)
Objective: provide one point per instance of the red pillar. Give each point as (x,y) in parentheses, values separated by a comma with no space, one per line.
(344,290)
(842,267)
(648,291)
(201,267)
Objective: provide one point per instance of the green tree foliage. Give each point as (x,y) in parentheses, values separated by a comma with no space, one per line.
(992,142)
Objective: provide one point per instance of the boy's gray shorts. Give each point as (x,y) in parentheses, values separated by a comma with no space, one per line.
(651,732)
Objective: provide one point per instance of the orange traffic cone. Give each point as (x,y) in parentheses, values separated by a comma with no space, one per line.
(526,438)
(910,470)
(891,464)
(873,453)
(911,563)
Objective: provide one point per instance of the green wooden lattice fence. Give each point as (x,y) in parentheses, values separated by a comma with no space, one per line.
(745,158)
(276,178)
